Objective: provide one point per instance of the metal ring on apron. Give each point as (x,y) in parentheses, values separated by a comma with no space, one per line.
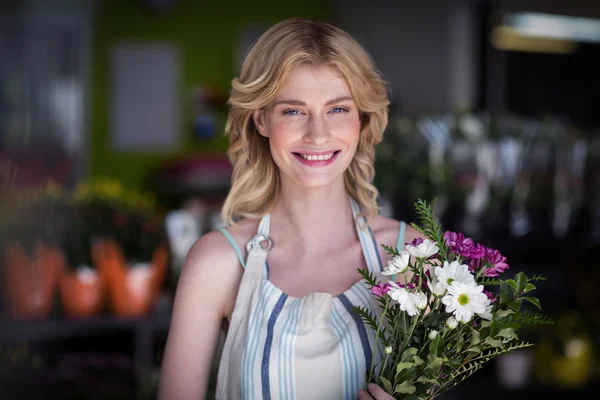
(258,240)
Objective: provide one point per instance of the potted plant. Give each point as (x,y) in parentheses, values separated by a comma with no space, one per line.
(131,252)
(82,287)
(30,252)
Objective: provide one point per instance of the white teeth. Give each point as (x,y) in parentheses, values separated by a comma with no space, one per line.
(321,157)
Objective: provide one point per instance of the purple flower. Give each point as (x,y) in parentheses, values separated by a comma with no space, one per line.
(490,296)
(452,238)
(380,289)
(475,264)
(415,281)
(477,251)
(464,247)
(416,242)
(498,262)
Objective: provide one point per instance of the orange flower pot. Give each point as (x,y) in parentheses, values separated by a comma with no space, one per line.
(82,293)
(31,280)
(132,290)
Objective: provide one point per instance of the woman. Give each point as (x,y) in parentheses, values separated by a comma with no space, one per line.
(306,113)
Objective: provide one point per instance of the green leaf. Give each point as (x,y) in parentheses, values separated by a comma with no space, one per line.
(521,280)
(504,294)
(486,323)
(529,287)
(434,363)
(436,347)
(387,385)
(504,313)
(508,333)
(424,379)
(418,361)
(534,301)
(513,284)
(474,349)
(494,342)
(515,304)
(405,388)
(402,366)
(408,353)
(455,362)
(475,337)
(460,340)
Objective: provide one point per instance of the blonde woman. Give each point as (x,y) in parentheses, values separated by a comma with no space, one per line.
(305,114)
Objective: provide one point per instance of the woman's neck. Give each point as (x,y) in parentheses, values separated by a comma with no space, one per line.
(315,216)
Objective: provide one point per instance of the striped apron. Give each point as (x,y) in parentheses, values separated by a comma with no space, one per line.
(284,347)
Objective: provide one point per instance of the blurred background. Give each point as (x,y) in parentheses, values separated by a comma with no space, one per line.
(112,163)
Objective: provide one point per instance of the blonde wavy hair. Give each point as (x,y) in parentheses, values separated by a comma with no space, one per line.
(266,68)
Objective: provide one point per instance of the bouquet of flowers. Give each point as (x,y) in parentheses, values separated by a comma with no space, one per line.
(445,313)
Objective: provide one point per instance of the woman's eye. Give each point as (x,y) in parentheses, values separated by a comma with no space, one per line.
(292,112)
(339,110)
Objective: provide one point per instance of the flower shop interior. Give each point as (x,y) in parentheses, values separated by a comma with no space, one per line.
(113,163)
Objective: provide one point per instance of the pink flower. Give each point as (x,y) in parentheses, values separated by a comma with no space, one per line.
(498,262)
(380,289)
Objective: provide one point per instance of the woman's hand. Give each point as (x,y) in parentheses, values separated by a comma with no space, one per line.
(375,392)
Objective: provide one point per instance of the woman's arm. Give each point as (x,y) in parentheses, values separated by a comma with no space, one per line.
(207,287)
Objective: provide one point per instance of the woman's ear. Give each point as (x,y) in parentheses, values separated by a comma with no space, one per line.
(259,122)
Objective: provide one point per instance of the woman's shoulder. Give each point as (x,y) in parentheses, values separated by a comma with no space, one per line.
(387,231)
(217,246)
(212,268)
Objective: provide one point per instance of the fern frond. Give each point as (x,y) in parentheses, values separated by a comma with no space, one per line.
(459,376)
(369,318)
(430,225)
(368,276)
(489,282)
(493,353)
(530,317)
(390,250)
(536,278)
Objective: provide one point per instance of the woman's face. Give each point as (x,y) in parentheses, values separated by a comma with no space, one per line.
(313,127)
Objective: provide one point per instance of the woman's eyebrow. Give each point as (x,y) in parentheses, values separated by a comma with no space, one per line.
(292,102)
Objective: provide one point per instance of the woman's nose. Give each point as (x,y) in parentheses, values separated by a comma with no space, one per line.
(318,131)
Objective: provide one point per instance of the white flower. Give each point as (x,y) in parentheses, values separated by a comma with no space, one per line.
(420,300)
(487,314)
(453,272)
(451,322)
(464,300)
(437,288)
(388,350)
(398,264)
(432,334)
(407,300)
(423,250)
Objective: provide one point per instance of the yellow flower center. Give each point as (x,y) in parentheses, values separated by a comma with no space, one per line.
(463,299)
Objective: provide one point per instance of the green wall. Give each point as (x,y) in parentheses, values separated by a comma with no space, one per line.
(207,37)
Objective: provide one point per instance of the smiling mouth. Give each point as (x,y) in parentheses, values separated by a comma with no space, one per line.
(317,157)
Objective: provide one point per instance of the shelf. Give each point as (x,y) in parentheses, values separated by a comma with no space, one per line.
(12,330)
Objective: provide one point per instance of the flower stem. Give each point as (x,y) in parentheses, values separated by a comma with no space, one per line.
(387,356)
(376,342)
